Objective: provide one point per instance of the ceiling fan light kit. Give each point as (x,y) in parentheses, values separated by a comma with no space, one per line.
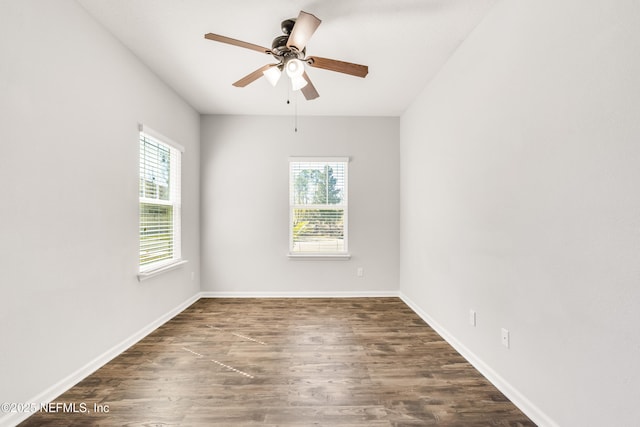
(272,74)
(294,68)
(290,52)
(298,82)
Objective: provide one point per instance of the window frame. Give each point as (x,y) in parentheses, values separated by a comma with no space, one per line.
(344,205)
(175,200)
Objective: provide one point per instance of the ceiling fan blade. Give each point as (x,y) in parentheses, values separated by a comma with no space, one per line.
(339,66)
(309,91)
(234,42)
(305,26)
(250,78)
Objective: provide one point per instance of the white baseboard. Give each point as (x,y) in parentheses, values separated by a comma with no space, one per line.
(524,404)
(14,418)
(363,294)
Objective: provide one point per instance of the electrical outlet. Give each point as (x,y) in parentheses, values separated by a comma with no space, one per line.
(360,272)
(505,337)
(472,318)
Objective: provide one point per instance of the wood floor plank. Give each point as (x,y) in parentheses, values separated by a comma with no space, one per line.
(289,362)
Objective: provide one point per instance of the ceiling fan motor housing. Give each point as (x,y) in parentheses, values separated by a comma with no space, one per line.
(280,49)
(287,25)
(279,44)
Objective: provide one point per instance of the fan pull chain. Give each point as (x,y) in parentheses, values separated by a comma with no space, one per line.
(295,108)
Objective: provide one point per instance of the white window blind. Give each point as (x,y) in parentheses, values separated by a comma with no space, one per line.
(159,201)
(318,206)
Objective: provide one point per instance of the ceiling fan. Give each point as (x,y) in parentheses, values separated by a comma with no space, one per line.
(290,52)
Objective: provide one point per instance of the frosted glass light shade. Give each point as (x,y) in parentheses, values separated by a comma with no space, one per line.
(295,68)
(298,82)
(272,74)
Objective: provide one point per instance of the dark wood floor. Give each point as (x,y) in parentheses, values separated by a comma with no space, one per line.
(288,362)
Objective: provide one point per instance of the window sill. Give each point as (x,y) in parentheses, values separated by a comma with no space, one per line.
(147,274)
(325,257)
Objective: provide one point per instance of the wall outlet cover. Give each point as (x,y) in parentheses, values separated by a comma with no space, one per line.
(505,337)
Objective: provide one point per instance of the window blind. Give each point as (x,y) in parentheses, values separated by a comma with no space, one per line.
(160,208)
(318,205)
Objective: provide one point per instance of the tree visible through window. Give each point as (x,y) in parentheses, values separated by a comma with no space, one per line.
(318,206)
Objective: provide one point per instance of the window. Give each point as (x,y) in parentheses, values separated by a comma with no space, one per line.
(159,201)
(318,206)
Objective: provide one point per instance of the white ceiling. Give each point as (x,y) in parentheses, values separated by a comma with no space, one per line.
(404,42)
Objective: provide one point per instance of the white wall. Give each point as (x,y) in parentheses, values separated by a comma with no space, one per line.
(245,204)
(519,199)
(71,100)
